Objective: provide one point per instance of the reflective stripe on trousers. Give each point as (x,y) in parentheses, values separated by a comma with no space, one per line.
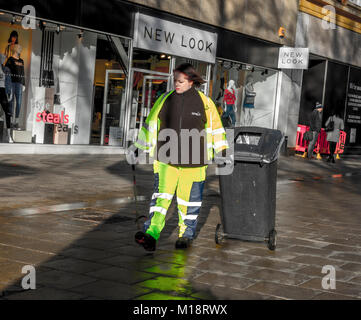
(188,184)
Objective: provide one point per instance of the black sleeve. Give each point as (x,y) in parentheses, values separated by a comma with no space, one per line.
(22,74)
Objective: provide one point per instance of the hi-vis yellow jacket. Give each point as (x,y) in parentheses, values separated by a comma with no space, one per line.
(216,135)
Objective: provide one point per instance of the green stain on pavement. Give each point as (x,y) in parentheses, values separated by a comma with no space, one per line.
(178,286)
(167,269)
(162,296)
(178,257)
(174,265)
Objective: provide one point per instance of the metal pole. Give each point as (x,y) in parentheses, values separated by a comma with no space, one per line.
(129,95)
(104,108)
(208,78)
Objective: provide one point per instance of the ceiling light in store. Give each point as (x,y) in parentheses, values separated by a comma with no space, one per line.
(2,13)
(41,25)
(80,34)
(169,57)
(162,56)
(227,65)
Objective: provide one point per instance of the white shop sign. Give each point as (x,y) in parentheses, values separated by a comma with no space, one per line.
(293,58)
(163,36)
(356,2)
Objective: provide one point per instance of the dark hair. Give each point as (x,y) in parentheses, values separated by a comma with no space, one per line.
(191,73)
(337,114)
(14,34)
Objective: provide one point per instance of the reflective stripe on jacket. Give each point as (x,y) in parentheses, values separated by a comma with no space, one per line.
(216,135)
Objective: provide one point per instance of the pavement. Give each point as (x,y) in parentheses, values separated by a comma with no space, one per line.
(72,219)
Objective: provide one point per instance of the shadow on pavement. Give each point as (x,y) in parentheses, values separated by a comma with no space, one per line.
(11,170)
(100,260)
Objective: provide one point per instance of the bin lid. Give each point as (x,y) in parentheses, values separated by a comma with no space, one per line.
(256,144)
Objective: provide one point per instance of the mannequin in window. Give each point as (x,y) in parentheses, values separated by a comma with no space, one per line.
(249,99)
(13,40)
(16,66)
(3,96)
(229,101)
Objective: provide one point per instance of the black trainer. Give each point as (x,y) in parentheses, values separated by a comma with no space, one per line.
(145,240)
(183,243)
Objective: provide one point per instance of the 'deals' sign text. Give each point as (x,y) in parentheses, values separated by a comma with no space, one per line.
(173,38)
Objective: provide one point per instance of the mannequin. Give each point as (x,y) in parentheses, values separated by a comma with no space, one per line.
(249,98)
(229,101)
(13,40)
(16,66)
(3,96)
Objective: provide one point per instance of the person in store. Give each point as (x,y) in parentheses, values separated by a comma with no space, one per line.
(333,136)
(184,108)
(315,128)
(16,66)
(229,103)
(249,101)
(13,40)
(3,96)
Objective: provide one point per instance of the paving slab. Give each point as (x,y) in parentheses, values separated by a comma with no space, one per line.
(79,235)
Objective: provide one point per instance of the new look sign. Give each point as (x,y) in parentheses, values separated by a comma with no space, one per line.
(175,39)
(293,58)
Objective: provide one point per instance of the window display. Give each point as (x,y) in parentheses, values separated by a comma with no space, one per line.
(244,94)
(61,85)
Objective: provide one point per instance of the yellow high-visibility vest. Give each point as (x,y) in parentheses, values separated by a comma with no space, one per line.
(216,135)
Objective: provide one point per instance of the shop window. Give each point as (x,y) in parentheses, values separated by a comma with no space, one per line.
(158,62)
(57,80)
(245,95)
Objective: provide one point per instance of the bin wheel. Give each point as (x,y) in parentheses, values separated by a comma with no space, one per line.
(272,240)
(219,235)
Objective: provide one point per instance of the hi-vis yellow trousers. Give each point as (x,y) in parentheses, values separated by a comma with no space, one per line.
(188,184)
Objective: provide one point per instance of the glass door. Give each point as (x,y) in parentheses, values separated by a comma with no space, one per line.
(147,87)
(113,115)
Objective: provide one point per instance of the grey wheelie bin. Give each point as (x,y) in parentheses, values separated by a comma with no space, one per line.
(249,193)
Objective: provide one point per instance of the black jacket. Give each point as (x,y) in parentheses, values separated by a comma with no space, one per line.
(16,67)
(316,121)
(184,111)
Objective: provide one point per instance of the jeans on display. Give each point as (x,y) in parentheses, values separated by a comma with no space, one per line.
(312,144)
(17,94)
(6,107)
(230,113)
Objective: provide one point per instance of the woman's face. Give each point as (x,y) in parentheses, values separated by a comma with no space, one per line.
(181,82)
(13,39)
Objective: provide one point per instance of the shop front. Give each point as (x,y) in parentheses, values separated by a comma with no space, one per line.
(90,91)
(67,86)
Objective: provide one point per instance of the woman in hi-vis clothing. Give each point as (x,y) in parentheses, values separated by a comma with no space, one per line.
(184,171)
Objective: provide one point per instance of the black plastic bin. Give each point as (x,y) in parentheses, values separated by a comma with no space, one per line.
(249,193)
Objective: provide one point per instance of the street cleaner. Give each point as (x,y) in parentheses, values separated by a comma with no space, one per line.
(180,162)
